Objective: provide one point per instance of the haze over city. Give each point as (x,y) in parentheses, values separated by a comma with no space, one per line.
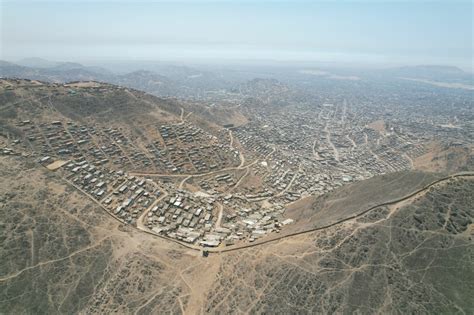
(377,33)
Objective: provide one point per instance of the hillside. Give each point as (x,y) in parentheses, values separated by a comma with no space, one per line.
(59,73)
(116,201)
(64,254)
(413,257)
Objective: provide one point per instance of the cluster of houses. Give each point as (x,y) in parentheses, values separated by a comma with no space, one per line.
(194,218)
(223,180)
(182,211)
(326,150)
(321,148)
(190,149)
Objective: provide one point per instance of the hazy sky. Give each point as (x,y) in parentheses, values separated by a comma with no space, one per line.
(351,31)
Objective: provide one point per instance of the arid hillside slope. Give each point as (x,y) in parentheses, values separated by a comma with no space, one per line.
(63,254)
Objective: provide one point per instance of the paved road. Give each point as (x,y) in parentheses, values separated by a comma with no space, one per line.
(328,134)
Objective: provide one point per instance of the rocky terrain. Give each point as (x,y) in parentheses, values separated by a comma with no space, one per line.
(63,254)
(411,257)
(397,242)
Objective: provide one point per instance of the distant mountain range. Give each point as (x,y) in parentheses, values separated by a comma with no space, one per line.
(59,72)
(37,63)
(183,81)
(179,81)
